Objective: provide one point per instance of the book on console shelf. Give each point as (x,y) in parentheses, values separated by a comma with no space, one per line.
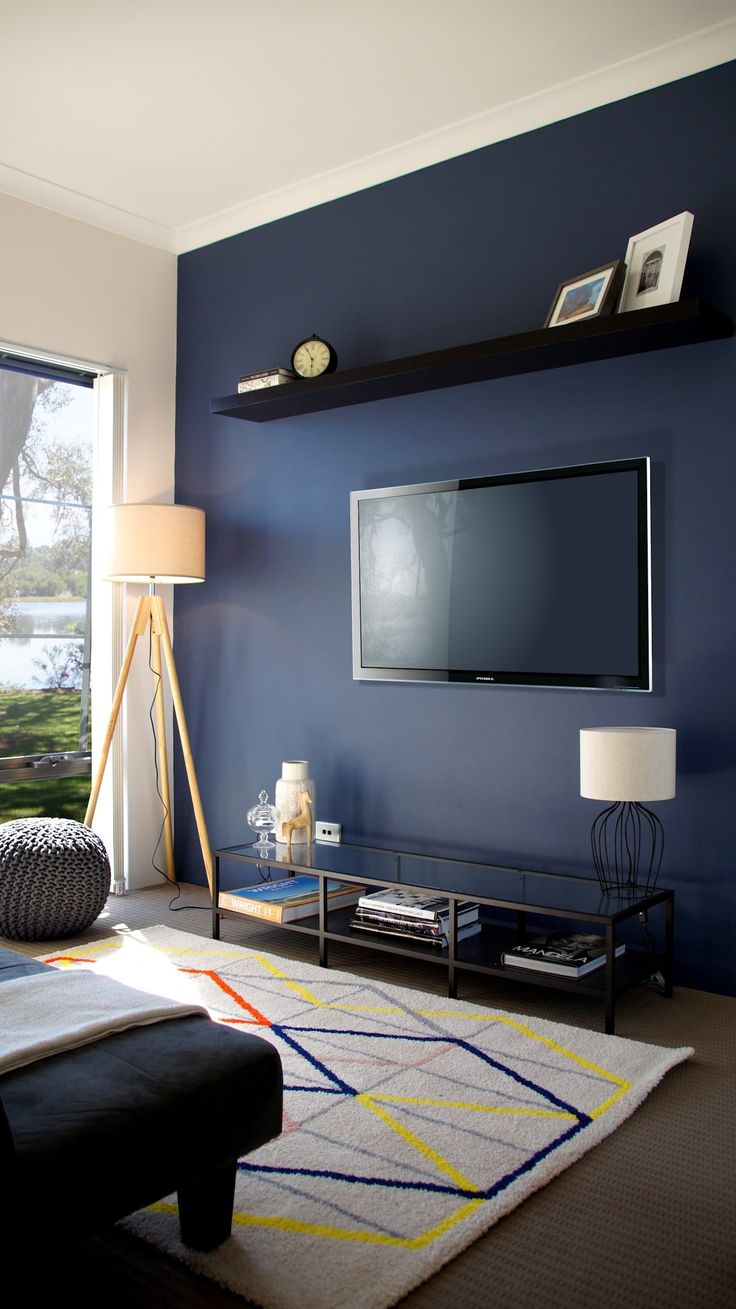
(271,377)
(567,954)
(413,931)
(289,899)
(414,904)
(437,926)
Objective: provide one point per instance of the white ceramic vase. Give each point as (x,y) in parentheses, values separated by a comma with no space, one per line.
(294,780)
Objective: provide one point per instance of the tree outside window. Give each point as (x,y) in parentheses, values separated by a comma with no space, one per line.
(46,445)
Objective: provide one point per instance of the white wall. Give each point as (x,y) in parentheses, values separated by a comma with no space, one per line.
(70,289)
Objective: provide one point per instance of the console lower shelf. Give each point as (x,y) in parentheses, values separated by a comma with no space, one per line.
(481,953)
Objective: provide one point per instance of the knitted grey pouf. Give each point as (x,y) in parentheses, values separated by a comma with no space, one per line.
(54,878)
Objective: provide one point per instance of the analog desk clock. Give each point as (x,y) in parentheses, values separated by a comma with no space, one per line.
(313,358)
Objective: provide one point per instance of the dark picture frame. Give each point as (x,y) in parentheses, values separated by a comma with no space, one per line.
(589,295)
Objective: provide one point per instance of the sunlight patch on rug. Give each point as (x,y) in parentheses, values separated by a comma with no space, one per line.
(411,1123)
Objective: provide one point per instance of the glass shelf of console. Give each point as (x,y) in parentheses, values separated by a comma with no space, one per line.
(558,894)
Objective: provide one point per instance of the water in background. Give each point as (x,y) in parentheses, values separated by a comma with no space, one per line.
(44,623)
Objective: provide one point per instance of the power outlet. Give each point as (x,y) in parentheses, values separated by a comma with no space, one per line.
(328,832)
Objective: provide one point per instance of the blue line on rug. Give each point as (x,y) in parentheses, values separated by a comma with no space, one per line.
(319,1090)
(399,1184)
(316,1063)
(425,1040)
(583,1118)
(487,1193)
(532,1162)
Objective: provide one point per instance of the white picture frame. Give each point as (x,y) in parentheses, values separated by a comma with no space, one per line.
(655,263)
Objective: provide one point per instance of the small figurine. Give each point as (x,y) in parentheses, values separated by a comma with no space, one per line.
(303,819)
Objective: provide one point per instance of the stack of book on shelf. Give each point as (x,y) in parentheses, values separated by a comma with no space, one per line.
(565,954)
(288,899)
(270,377)
(413,915)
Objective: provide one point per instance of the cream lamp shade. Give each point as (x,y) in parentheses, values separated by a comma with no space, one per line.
(154,542)
(627,763)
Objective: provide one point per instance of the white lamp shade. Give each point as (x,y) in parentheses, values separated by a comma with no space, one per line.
(627,763)
(163,543)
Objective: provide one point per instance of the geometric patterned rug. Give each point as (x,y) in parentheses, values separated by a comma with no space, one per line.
(412,1123)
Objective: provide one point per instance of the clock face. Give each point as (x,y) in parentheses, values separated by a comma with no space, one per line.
(313,357)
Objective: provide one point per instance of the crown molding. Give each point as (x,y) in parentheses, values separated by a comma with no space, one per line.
(668,63)
(73,204)
(693,54)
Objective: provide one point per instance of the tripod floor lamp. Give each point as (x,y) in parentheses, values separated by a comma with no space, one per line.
(156,543)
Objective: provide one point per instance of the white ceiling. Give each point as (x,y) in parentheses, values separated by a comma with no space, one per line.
(178,122)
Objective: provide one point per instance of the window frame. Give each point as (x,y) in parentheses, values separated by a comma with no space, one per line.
(107,462)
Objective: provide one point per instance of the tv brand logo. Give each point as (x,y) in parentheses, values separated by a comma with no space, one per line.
(484,679)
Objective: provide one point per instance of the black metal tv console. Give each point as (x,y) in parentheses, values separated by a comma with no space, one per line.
(519,902)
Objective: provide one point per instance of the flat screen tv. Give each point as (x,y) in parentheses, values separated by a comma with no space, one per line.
(526,579)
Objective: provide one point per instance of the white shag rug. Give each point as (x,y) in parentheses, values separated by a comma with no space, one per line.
(411,1123)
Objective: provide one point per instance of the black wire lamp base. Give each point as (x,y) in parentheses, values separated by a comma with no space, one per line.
(627,840)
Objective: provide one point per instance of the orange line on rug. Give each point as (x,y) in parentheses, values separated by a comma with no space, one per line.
(215,977)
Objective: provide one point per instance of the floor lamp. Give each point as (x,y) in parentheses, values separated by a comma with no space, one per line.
(156,543)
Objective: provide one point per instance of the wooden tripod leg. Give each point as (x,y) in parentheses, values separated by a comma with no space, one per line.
(140,623)
(163,758)
(158,617)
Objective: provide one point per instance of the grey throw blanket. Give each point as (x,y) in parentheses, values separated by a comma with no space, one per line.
(50,1012)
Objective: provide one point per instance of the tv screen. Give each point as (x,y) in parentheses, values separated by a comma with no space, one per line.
(529,579)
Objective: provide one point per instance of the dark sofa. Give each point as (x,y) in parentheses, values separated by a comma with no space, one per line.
(97,1132)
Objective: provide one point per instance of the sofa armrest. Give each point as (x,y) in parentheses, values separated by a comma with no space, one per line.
(7,1144)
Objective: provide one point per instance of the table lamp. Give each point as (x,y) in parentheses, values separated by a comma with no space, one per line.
(155,543)
(626,766)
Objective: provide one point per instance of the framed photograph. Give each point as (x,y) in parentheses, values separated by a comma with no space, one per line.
(655,263)
(587,296)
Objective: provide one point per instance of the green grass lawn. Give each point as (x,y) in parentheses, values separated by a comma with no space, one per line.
(39,722)
(51,797)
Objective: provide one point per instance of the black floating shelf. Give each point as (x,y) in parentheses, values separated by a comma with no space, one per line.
(684,323)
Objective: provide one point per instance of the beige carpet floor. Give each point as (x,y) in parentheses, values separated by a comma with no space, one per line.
(647,1220)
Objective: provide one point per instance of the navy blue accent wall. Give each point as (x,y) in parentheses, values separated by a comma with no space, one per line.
(465,250)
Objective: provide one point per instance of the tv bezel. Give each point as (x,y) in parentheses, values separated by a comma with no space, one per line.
(500,677)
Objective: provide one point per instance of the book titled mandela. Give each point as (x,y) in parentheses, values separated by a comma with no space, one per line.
(568,954)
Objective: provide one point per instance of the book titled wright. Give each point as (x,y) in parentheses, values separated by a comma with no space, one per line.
(569,954)
(288,899)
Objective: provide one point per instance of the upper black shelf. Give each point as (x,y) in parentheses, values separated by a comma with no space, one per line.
(683,323)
